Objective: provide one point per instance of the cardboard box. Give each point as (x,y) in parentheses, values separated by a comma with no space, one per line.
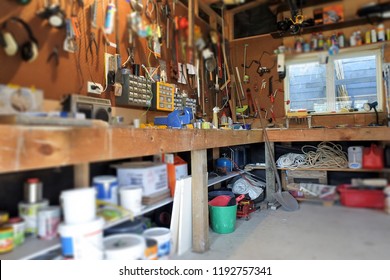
(333,14)
(153,177)
(177,168)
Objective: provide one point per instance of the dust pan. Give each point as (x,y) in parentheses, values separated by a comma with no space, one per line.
(221,200)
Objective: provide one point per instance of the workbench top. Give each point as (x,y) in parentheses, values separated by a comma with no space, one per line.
(35,147)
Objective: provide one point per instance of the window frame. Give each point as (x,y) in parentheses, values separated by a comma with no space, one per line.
(330,86)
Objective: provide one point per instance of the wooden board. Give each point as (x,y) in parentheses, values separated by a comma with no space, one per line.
(28,147)
(185,217)
(200,218)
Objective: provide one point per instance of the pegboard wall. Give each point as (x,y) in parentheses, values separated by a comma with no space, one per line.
(73,70)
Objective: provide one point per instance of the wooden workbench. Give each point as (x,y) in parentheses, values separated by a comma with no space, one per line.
(26,148)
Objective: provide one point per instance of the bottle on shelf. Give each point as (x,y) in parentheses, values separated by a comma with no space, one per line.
(373,36)
(367,37)
(314,41)
(320,41)
(381,32)
(352,39)
(341,39)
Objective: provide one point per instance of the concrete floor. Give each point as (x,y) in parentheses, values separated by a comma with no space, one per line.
(313,232)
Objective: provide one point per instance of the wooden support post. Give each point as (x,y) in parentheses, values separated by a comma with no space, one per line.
(81,175)
(200,214)
(215,157)
(229,25)
(269,173)
(191,24)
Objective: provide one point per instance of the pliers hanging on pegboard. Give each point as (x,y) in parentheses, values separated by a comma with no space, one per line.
(54,56)
(92,44)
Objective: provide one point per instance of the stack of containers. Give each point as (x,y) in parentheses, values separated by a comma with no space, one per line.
(33,202)
(82,231)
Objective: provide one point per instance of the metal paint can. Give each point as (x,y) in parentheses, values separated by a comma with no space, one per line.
(6,240)
(29,213)
(48,221)
(32,190)
(18,226)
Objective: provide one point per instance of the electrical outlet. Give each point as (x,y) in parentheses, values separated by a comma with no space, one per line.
(94,88)
(109,65)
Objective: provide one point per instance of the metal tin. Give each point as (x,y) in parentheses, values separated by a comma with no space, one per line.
(6,240)
(32,190)
(3,217)
(18,226)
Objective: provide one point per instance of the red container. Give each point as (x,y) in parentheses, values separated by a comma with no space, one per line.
(354,197)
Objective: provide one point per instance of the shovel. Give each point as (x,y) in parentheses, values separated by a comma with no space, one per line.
(286,200)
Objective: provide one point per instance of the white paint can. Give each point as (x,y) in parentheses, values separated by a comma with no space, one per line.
(82,241)
(106,188)
(163,237)
(131,198)
(48,221)
(78,205)
(124,247)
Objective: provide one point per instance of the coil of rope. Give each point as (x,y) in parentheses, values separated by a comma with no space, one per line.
(325,155)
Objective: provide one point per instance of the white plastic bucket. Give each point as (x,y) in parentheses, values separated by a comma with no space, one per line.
(124,247)
(82,241)
(79,205)
(106,188)
(131,199)
(163,238)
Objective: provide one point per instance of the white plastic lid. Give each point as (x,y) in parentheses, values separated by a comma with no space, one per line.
(80,191)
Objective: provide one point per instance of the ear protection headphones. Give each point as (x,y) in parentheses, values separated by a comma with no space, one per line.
(28,50)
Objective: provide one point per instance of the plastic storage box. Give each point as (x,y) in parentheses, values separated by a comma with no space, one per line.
(356,197)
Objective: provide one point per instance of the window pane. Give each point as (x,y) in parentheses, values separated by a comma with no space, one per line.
(355,82)
(307,86)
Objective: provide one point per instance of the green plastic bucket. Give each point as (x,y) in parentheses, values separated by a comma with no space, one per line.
(223,218)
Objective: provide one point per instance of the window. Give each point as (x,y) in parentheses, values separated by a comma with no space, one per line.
(339,83)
